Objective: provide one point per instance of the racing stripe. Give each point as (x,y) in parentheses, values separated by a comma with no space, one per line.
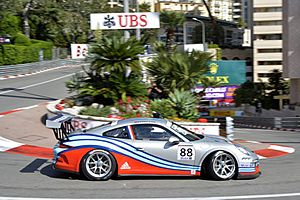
(124,149)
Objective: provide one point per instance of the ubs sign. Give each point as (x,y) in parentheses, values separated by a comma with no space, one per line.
(124,20)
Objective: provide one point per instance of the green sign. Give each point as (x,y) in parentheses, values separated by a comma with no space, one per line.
(228,72)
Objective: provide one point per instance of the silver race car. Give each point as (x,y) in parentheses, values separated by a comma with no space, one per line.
(148,146)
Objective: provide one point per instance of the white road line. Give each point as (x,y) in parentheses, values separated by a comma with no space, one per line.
(41,83)
(264,196)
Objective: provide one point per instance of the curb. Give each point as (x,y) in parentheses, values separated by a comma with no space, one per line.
(272,151)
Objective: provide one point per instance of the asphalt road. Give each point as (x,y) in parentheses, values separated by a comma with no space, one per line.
(35,89)
(31,177)
(23,176)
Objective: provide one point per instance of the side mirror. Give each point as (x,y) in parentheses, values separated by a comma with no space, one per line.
(174,140)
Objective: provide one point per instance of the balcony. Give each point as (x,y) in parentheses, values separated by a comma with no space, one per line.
(267,3)
(272,29)
(267,44)
(267,16)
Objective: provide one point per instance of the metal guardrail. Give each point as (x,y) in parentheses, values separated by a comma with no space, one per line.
(8,70)
(270,122)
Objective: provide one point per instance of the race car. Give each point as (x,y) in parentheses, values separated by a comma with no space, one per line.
(148,146)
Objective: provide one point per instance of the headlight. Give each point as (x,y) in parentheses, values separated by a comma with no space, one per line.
(243,150)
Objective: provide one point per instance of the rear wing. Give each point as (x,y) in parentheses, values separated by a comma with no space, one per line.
(61,126)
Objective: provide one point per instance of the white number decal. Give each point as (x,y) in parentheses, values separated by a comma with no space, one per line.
(186,153)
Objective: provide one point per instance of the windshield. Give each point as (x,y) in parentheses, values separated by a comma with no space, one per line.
(191,136)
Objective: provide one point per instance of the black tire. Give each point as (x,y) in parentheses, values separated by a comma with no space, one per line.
(98,165)
(221,166)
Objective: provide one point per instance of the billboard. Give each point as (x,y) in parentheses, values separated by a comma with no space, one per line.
(79,51)
(228,72)
(224,92)
(109,21)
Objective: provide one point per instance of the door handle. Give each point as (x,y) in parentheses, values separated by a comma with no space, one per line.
(140,149)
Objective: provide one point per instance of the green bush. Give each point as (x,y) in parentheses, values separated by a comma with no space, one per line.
(21,39)
(17,54)
(99,112)
(184,102)
(163,107)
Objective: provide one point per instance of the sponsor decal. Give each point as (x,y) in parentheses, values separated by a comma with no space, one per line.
(109,21)
(185,153)
(125,166)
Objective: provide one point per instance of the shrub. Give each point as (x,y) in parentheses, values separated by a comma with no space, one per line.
(99,112)
(163,107)
(184,102)
(21,39)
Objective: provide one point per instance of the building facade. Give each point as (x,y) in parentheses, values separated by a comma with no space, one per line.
(291,47)
(267,38)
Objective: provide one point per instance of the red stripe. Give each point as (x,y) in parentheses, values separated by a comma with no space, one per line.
(270,153)
(9,112)
(29,150)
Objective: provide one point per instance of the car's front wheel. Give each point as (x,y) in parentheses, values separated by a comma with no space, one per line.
(98,165)
(221,166)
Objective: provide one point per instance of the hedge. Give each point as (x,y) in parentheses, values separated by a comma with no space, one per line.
(16,54)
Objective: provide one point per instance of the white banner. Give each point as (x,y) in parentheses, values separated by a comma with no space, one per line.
(79,51)
(124,20)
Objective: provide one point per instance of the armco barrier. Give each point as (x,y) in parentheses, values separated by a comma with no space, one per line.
(277,123)
(9,70)
(83,121)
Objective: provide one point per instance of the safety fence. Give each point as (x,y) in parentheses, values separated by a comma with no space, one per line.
(270,122)
(9,70)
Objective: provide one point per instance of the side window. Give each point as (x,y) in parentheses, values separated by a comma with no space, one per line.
(151,132)
(117,133)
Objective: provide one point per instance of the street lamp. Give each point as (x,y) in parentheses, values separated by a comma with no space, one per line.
(203,32)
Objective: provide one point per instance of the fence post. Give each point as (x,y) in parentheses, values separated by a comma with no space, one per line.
(278,122)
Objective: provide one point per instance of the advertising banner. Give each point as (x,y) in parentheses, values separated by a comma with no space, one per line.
(109,21)
(79,51)
(225,92)
(228,72)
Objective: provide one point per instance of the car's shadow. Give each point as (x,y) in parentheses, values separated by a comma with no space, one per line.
(56,174)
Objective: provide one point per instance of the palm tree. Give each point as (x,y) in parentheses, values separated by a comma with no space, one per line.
(170,20)
(115,54)
(178,70)
(115,72)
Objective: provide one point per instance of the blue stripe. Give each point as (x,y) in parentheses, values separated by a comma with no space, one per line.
(157,162)
(127,146)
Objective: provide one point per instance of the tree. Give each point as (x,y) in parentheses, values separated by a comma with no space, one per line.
(114,73)
(169,21)
(178,70)
(250,93)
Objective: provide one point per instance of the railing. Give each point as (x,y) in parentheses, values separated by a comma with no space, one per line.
(270,122)
(37,66)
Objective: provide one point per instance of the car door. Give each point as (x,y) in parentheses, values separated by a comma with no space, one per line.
(160,155)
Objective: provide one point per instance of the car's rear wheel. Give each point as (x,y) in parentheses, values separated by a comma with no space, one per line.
(221,166)
(98,165)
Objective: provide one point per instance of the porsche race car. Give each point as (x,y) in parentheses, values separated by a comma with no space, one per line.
(148,146)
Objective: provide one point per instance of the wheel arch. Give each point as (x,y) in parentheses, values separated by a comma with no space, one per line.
(208,154)
(109,151)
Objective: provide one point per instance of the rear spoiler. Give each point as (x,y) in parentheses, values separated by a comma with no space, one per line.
(61,126)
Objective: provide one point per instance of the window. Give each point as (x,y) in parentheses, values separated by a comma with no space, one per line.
(118,133)
(269,37)
(278,9)
(151,132)
(269,50)
(269,62)
(267,23)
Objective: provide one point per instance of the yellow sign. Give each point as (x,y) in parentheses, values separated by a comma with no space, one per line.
(221,113)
